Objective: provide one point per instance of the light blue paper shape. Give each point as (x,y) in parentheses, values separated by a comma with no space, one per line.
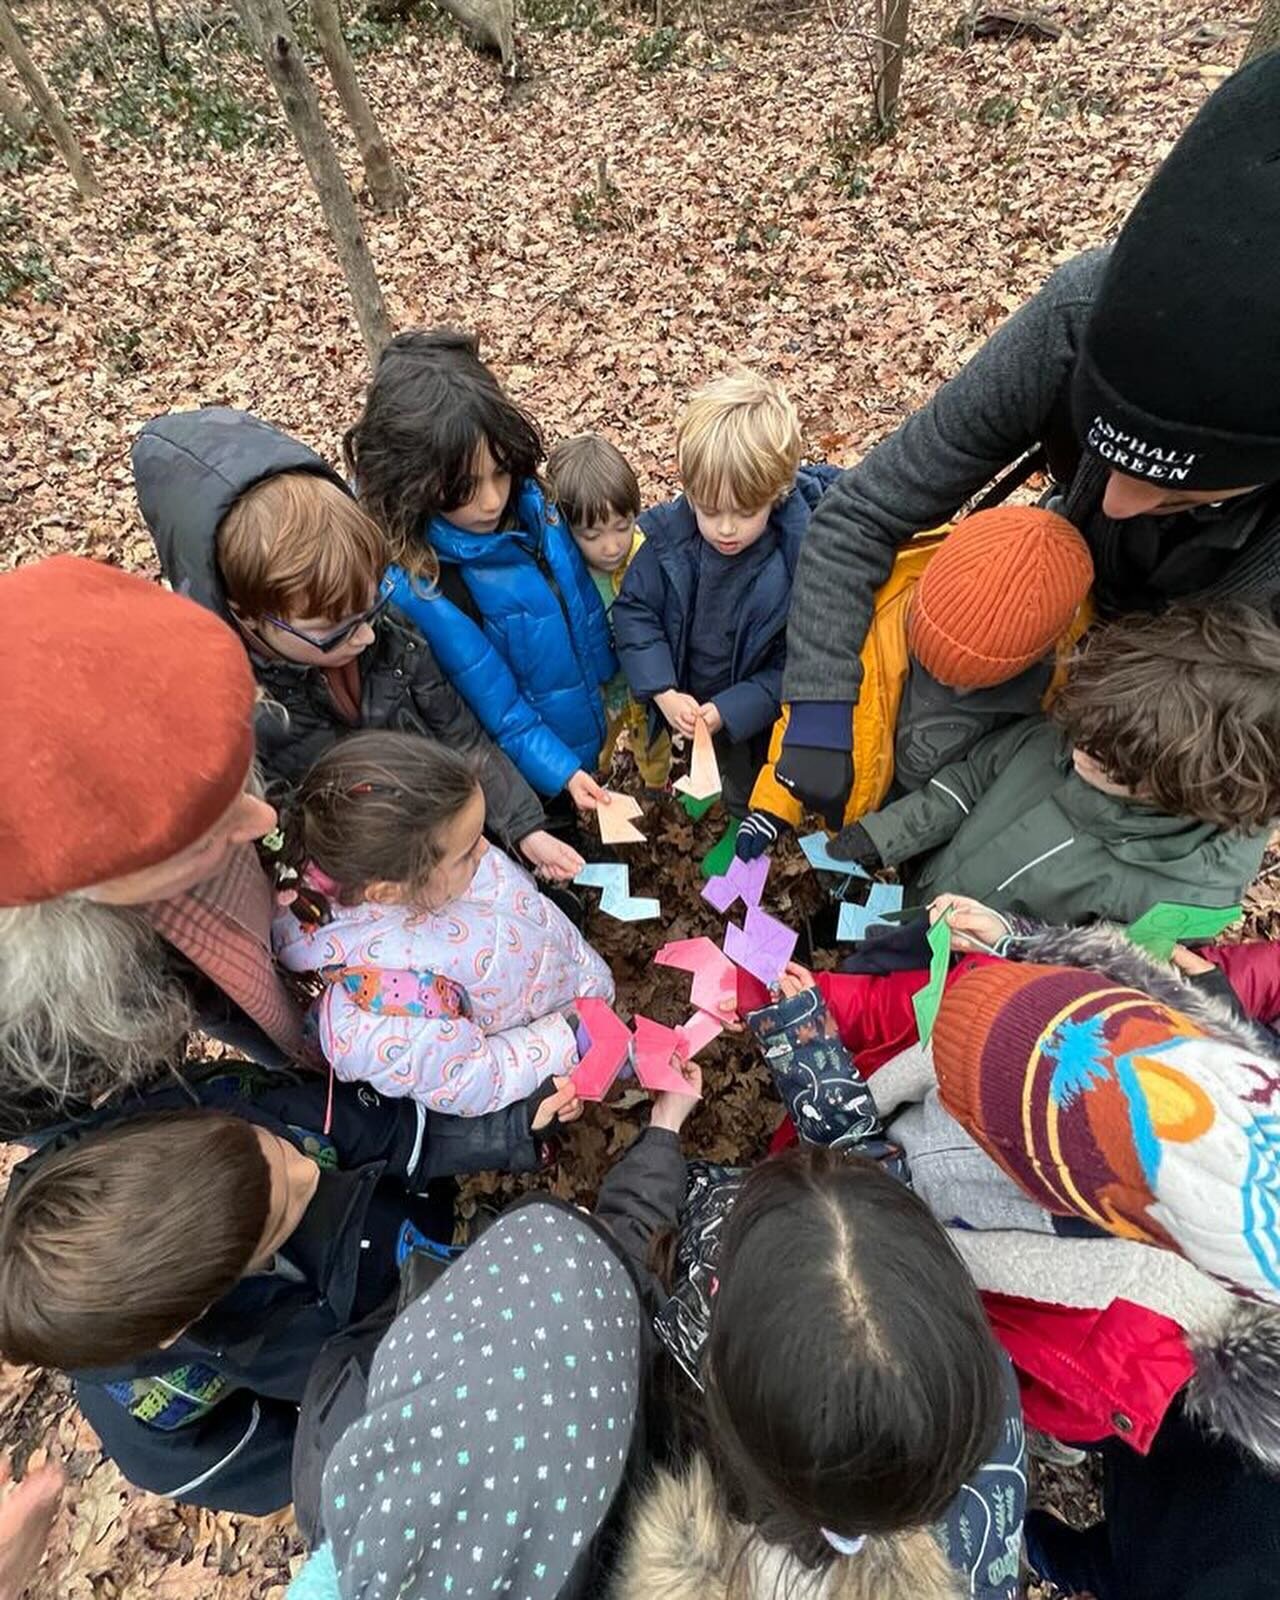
(604,875)
(855,920)
(613,879)
(820,858)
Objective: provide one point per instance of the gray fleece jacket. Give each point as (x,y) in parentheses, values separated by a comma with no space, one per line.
(1012,396)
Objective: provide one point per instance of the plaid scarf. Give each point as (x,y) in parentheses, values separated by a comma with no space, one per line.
(223,927)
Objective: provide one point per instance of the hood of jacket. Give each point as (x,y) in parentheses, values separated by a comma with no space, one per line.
(534,515)
(189,469)
(682,1545)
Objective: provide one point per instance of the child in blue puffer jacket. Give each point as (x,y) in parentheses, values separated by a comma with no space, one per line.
(485,567)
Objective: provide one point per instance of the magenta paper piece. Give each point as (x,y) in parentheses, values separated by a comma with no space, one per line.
(742,880)
(655,1047)
(762,946)
(714,978)
(697,1033)
(610,1040)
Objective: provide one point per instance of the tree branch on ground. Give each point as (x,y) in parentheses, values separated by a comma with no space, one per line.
(46,103)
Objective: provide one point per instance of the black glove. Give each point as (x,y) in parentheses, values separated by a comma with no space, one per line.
(854,843)
(757,835)
(820,778)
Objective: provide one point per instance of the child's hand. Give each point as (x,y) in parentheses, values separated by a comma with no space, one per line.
(973,925)
(680,710)
(711,716)
(1189,962)
(727,1016)
(795,980)
(671,1108)
(562,1106)
(585,792)
(550,857)
(26,1519)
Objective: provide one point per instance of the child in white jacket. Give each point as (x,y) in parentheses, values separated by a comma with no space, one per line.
(446,975)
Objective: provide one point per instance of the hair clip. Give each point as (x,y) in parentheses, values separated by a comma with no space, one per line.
(841,1545)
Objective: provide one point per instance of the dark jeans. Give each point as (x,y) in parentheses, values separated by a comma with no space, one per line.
(739,767)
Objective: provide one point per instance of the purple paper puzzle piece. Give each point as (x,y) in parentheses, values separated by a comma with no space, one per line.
(762,946)
(741,880)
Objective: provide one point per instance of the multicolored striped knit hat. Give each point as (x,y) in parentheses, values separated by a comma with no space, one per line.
(1105,1104)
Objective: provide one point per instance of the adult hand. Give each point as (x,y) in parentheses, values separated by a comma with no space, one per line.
(585,792)
(26,1518)
(710,714)
(680,710)
(973,925)
(671,1109)
(550,857)
(820,778)
(855,844)
(562,1106)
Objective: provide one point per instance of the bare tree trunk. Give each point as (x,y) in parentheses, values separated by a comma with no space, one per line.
(162,49)
(46,103)
(15,113)
(268,25)
(385,183)
(890,46)
(1266,31)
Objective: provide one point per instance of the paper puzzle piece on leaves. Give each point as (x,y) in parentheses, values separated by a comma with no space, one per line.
(696,809)
(1167,924)
(615,819)
(715,980)
(761,946)
(703,782)
(610,1042)
(698,1032)
(815,847)
(613,879)
(883,900)
(925,1002)
(655,1047)
(716,861)
(740,880)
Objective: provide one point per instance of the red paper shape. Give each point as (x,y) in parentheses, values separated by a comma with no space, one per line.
(655,1046)
(610,1041)
(715,978)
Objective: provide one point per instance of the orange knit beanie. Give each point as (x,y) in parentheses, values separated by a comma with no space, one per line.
(1002,588)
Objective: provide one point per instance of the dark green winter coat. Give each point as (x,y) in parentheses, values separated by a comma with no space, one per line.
(1014,826)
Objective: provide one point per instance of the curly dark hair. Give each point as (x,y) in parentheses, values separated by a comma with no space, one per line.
(1184,709)
(431,404)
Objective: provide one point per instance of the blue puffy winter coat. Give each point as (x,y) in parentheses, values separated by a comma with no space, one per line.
(653,614)
(532,666)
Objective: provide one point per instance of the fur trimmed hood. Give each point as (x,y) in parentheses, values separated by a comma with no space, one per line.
(682,1546)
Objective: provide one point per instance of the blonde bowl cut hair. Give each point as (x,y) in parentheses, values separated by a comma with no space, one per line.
(738,443)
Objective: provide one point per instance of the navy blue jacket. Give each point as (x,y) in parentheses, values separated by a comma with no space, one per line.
(653,614)
(210,1420)
(531,658)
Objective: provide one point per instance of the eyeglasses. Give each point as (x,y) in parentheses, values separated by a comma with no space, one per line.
(330,641)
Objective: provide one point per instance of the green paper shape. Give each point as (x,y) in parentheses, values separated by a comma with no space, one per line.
(1157,931)
(697,809)
(716,861)
(926,1001)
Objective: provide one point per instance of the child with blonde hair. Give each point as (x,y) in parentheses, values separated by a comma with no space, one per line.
(700,623)
(596,490)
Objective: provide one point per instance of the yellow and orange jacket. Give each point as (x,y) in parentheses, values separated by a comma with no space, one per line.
(885,662)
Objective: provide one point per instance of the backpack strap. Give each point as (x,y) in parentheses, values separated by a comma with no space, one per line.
(399,991)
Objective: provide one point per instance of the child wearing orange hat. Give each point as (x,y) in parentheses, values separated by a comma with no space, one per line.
(966,638)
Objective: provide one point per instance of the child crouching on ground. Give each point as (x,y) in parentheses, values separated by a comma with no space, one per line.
(447,976)
(701,620)
(1156,778)
(592,483)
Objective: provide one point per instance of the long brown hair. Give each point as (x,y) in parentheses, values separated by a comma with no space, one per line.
(371,811)
(1183,709)
(116,1243)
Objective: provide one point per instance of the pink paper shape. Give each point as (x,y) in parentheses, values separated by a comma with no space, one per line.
(762,946)
(610,1041)
(697,1033)
(655,1046)
(714,979)
(741,880)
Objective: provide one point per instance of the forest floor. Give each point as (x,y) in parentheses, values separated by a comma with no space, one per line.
(642,208)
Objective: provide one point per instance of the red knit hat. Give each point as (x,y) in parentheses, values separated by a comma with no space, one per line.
(127,730)
(994,600)
(1102,1102)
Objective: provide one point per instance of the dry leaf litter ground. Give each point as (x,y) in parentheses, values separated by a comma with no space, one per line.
(738,216)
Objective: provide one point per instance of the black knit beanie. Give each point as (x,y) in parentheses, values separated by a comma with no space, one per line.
(1178,380)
